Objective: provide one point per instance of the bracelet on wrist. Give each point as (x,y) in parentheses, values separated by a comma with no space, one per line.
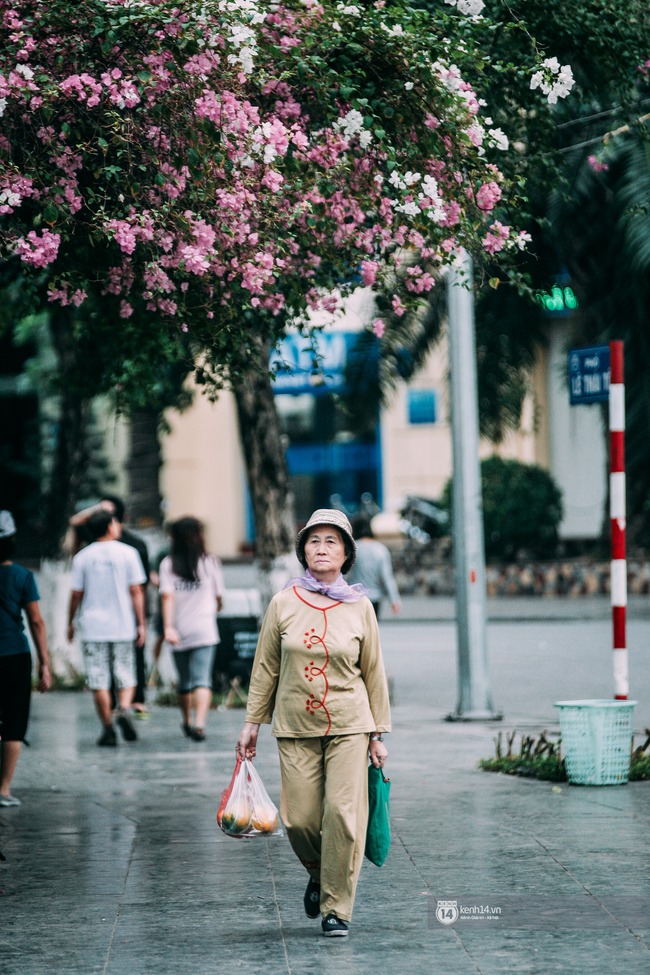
(376,738)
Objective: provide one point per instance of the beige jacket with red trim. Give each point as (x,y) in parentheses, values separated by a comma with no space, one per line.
(318,668)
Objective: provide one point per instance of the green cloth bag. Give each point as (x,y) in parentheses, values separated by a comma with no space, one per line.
(378,835)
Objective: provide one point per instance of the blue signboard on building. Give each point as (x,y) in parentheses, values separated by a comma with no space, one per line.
(589,375)
(304,366)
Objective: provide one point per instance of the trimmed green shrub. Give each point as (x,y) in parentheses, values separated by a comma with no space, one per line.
(522,509)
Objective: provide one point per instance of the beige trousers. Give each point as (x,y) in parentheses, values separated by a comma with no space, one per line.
(324,806)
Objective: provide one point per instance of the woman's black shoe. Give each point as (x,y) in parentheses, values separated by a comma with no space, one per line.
(312,898)
(334,927)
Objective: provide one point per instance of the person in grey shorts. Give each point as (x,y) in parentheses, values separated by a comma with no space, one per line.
(107,593)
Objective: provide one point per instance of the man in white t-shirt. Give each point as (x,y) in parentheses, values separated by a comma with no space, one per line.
(107,580)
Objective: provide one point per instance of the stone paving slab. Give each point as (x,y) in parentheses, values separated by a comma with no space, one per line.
(115,864)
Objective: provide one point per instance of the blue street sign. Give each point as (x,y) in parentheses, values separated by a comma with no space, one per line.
(589,375)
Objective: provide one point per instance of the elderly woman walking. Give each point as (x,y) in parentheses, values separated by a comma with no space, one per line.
(319,676)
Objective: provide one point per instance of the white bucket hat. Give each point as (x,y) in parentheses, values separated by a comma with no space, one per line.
(7,524)
(329,516)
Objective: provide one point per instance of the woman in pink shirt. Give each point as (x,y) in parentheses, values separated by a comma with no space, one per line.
(191,589)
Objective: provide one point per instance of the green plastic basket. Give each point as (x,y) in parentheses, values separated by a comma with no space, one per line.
(596,740)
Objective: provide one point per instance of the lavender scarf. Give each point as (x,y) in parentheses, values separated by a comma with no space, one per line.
(339,589)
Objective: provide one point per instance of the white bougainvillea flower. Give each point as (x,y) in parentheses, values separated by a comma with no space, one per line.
(555,80)
(470,7)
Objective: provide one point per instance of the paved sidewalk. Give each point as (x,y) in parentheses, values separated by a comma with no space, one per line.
(115,865)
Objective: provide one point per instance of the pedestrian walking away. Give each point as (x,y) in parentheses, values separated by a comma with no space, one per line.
(191,591)
(78,522)
(373,567)
(107,592)
(18,593)
(318,676)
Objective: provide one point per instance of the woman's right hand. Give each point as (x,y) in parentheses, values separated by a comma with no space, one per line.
(246,745)
(171,635)
(44,678)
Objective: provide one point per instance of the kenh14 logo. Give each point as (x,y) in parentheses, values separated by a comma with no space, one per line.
(447,911)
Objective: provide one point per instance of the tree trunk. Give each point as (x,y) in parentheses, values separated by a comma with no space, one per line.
(268,478)
(70,450)
(143,467)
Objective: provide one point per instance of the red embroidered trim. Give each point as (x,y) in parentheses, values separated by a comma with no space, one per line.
(322,609)
(312,639)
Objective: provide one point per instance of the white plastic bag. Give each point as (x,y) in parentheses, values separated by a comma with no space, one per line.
(249,810)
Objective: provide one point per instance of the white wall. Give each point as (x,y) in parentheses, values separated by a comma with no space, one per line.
(417,459)
(203,472)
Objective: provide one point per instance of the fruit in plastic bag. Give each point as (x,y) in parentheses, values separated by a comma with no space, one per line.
(225,795)
(245,808)
(236,824)
(265,820)
(238,810)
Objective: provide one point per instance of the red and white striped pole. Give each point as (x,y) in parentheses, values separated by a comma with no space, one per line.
(617,516)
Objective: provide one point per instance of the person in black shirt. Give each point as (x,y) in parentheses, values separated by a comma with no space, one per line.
(18,592)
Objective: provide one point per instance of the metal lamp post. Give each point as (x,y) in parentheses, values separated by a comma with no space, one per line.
(474,699)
